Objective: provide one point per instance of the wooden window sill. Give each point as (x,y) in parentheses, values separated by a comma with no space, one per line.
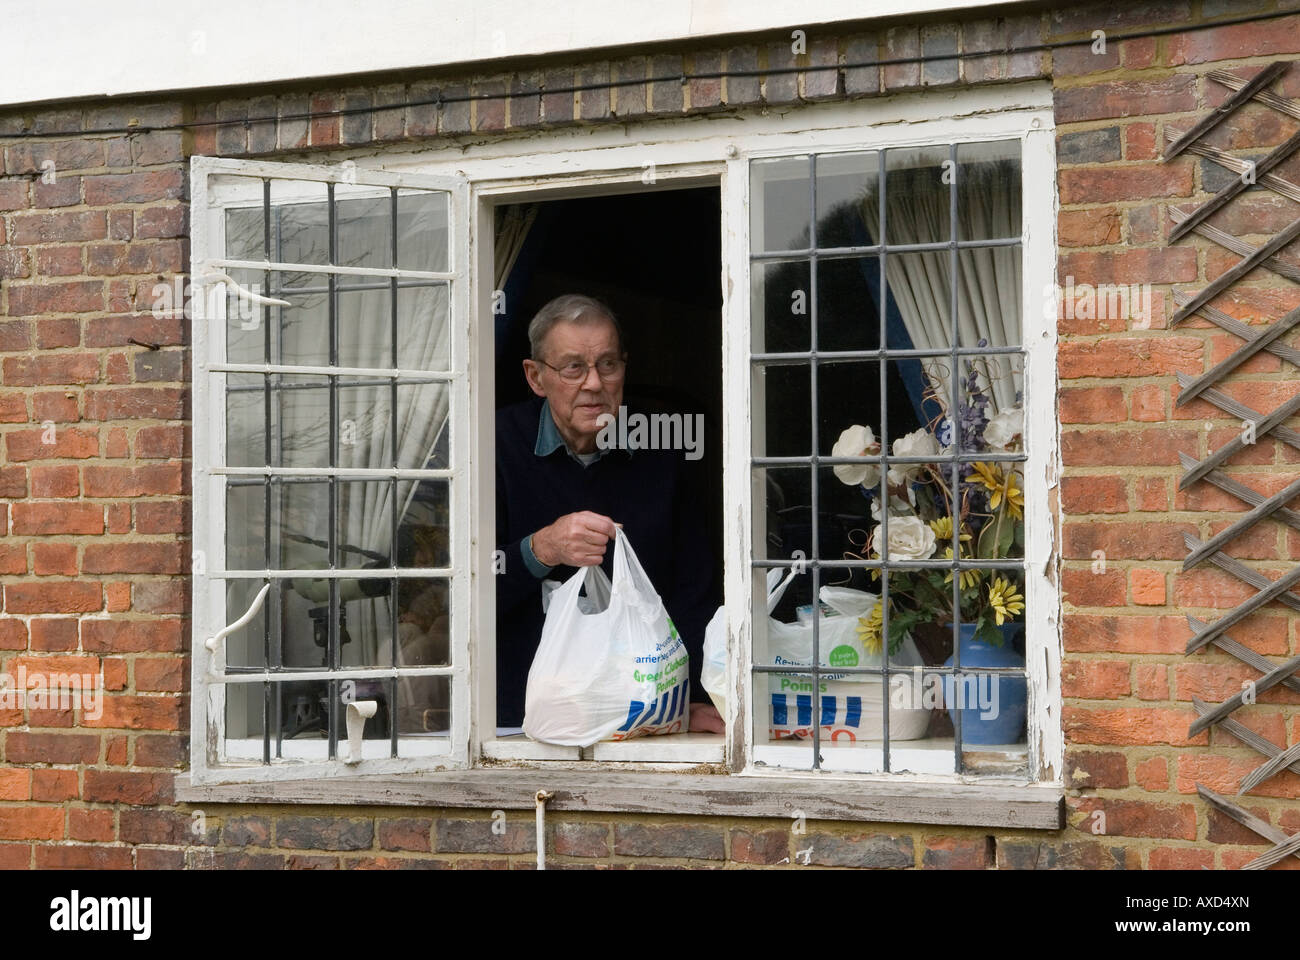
(1006,805)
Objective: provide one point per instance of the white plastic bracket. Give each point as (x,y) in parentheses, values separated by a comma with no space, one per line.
(359,711)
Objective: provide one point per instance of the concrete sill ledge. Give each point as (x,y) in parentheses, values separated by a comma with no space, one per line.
(1004,805)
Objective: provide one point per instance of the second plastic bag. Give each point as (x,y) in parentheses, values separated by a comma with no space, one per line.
(852,705)
(610,665)
(713,670)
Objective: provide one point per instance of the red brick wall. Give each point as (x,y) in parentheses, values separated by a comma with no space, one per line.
(94,526)
(1127,683)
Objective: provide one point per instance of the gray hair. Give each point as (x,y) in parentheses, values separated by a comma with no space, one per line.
(569,308)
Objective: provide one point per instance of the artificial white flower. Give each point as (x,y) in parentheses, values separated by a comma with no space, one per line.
(910,538)
(918,443)
(898,506)
(1004,429)
(857,441)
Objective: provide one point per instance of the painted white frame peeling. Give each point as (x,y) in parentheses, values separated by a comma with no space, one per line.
(670,154)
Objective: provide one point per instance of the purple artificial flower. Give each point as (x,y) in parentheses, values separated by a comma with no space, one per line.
(971,414)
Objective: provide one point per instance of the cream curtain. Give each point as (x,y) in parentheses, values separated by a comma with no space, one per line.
(300,418)
(989,278)
(511,232)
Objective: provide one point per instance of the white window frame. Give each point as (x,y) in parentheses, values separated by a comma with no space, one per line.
(717,150)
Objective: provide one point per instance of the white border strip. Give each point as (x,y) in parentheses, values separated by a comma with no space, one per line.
(251,41)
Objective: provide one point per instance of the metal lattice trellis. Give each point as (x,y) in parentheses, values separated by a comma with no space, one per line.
(1251,175)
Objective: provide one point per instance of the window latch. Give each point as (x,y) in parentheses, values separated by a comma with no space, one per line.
(215,641)
(216,276)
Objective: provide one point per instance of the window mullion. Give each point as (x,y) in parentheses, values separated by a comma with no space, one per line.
(954,380)
(333,656)
(814,499)
(392,488)
(270,697)
(882,343)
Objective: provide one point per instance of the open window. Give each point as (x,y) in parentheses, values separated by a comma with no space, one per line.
(331,583)
(652,254)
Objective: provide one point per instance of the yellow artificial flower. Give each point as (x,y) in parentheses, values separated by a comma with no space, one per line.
(1015,498)
(869,629)
(1001,487)
(1004,600)
(969,578)
(942,528)
(986,475)
(874,571)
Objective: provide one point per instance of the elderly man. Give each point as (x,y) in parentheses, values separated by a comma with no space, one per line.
(560,495)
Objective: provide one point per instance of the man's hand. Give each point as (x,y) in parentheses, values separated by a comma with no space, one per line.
(706,719)
(574,540)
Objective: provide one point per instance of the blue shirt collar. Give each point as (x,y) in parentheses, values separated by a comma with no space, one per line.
(549,439)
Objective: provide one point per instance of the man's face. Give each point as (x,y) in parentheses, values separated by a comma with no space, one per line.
(577,407)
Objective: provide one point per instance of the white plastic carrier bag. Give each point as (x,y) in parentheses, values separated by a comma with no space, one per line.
(713,668)
(610,665)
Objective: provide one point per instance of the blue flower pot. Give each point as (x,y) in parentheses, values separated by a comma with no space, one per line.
(1006,723)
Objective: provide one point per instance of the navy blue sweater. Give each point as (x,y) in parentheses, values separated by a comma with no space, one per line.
(657,496)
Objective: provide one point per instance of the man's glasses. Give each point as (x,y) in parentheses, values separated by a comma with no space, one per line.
(575,371)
